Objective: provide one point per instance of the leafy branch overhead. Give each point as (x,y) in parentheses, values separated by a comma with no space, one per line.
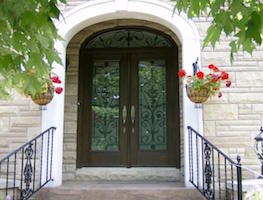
(242,20)
(27,36)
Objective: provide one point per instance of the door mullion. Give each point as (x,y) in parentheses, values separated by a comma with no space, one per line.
(124,102)
(128,56)
(133,105)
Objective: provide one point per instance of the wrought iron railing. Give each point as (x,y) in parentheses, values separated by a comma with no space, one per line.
(211,171)
(27,169)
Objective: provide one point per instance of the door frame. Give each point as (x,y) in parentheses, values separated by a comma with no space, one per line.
(124,157)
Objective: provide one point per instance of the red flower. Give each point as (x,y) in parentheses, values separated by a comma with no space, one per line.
(224,75)
(58,90)
(228,83)
(215,78)
(215,88)
(200,75)
(216,69)
(213,67)
(55,79)
(219,94)
(181,73)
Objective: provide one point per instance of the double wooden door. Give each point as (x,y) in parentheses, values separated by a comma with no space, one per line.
(129,108)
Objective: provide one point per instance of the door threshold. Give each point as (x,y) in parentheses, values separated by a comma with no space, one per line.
(128,174)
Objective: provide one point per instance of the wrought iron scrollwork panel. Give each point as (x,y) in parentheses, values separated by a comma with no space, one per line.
(208,172)
(28,172)
(105,106)
(152,105)
(129,38)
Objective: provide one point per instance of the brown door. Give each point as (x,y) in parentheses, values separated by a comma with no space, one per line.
(128,113)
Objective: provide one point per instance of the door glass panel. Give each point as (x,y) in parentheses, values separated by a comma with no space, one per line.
(105,106)
(152,105)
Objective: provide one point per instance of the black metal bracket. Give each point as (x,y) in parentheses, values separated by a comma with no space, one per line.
(195,66)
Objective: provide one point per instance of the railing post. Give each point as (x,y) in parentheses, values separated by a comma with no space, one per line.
(239,179)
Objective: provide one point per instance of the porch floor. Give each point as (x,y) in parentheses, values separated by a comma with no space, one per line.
(116,190)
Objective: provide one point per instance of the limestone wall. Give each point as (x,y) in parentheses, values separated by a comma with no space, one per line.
(233,121)
(20,121)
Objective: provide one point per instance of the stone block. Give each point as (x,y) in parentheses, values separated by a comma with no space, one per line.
(257,108)
(217,58)
(222,128)
(70,108)
(70,147)
(249,79)
(72,78)
(247,107)
(73,51)
(70,127)
(70,117)
(4,124)
(237,122)
(17,130)
(220,112)
(209,128)
(248,116)
(257,55)
(249,128)
(71,89)
(247,98)
(67,139)
(24,121)
(71,100)
(8,110)
(232,133)
(69,168)
(246,65)
(244,111)
(69,155)
(216,100)
(33,132)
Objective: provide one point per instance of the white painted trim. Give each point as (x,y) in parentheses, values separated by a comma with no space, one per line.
(96,11)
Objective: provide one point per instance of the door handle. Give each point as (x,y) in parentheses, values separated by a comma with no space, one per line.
(124,114)
(133,114)
(124,117)
(133,117)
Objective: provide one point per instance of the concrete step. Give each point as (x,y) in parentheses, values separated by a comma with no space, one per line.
(128,174)
(119,191)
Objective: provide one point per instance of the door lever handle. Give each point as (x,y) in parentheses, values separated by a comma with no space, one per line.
(133,117)
(124,117)
(133,114)
(124,114)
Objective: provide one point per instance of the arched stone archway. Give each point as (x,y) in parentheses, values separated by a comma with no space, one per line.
(94,12)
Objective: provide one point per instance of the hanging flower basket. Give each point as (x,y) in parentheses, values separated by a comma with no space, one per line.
(44,98)
(197,96)
(201,86)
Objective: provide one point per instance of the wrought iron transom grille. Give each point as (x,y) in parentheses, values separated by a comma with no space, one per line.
(129,38)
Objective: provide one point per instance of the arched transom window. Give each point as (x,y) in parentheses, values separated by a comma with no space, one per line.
(129,38)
